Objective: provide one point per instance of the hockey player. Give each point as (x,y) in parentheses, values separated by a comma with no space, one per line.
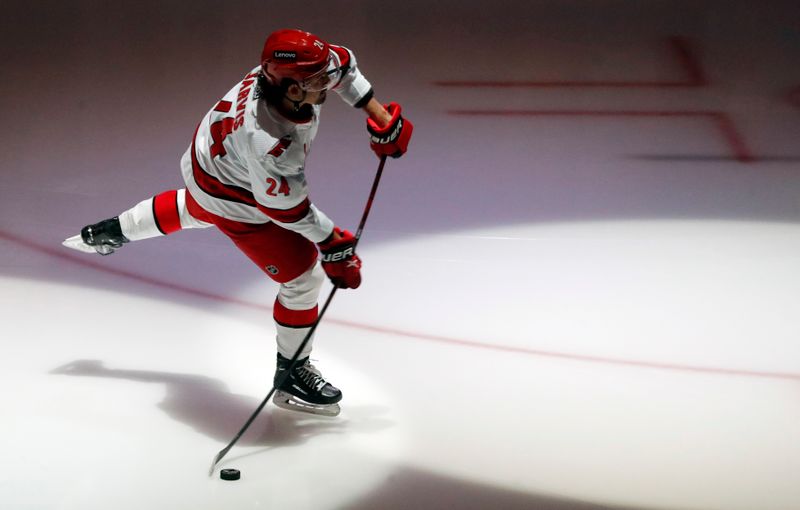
(244,174)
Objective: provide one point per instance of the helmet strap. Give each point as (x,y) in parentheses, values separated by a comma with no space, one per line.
(294,110)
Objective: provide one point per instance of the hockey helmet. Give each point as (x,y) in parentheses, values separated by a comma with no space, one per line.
(302,57)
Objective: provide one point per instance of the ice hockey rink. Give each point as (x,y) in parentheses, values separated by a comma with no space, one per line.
(580,284)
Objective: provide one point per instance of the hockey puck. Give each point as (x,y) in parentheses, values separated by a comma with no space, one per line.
(230,474)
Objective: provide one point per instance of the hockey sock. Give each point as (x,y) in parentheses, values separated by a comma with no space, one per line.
(161,215)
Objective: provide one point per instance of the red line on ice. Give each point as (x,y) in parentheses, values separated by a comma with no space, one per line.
(722,121)
(88,261)
(691,64)
(681,48)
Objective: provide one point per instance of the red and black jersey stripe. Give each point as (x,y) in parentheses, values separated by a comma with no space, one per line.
(216,188)
(292,215)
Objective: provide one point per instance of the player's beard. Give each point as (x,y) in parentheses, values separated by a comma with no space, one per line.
(322,96)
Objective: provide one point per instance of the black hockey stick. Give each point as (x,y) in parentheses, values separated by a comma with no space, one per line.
(296,356)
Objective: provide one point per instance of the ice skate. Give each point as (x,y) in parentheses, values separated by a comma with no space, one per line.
(305,389)
(104,238)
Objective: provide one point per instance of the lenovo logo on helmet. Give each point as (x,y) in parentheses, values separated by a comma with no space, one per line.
(285,55)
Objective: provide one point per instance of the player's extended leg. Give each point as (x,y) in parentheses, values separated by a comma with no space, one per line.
(161,215)
(295,311)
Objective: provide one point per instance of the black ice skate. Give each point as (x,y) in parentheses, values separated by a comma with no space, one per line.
(304,389)
(104,238)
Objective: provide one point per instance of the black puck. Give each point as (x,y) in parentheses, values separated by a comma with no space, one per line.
(230,474)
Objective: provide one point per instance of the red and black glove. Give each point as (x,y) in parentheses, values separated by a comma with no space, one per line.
(391,139)
(339,259)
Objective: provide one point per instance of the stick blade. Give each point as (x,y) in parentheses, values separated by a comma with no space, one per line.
(216,461)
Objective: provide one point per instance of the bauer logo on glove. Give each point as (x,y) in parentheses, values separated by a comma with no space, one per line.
(338,256)
(391,139)
(339,259)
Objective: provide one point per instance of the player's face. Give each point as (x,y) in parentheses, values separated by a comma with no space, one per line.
(326,78)
(295,93)
(320,82)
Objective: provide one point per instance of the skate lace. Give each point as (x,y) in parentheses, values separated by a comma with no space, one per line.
(311,376)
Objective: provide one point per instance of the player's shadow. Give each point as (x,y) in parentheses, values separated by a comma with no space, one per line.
(207,406)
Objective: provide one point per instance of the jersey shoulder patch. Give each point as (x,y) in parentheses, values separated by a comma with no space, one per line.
(343,54)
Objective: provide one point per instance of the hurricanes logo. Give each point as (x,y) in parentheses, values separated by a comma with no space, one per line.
(272,269)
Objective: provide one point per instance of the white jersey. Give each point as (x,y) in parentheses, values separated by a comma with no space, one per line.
(247,162)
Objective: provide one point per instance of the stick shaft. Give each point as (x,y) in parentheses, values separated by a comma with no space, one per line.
(310,333)
(372,192)
(263,403)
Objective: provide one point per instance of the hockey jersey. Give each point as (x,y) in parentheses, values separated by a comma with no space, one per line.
(246,161)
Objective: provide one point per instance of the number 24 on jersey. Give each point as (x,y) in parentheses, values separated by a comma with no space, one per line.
(282,188)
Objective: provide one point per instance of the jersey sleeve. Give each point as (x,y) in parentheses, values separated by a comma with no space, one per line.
(353,88)
(281,192)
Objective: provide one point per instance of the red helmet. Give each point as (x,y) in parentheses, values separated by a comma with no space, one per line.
(299,56)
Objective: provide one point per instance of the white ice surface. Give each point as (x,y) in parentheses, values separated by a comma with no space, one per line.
(558,312)
(166,392)
(107,417)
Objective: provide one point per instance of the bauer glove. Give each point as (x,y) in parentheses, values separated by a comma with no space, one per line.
(339,259)
(391,139)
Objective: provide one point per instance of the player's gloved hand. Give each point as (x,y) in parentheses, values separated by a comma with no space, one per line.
(339,259)
(391,139)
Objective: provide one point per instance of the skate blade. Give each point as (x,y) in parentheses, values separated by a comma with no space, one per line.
(291,403)
(76,243)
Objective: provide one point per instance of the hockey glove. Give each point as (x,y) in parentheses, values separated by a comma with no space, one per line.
(391,139)
(339,259)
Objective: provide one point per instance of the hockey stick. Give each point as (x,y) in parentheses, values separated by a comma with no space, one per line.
(308,336)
